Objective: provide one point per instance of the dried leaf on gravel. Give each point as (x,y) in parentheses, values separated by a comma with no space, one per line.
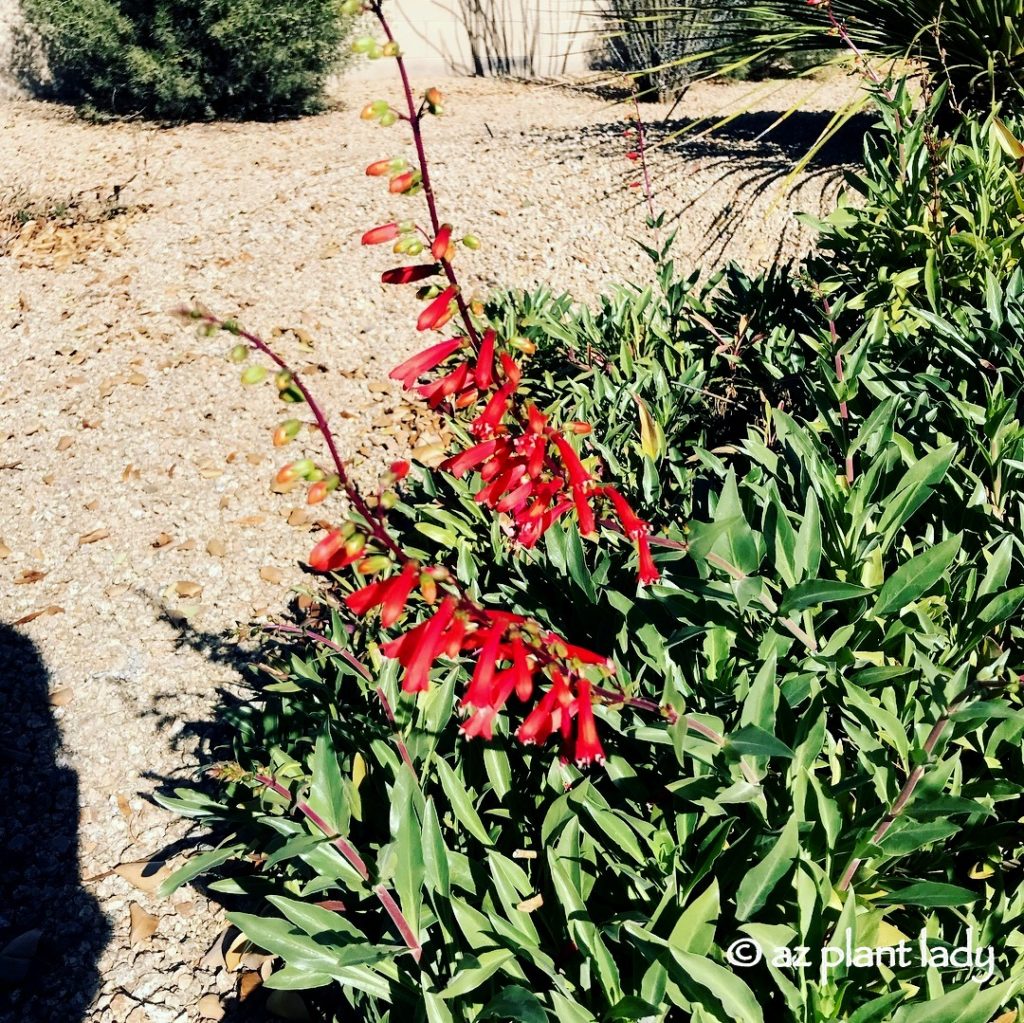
(187,589)
(143,924)
(146,875)
(52,609)
(162,541)
(298,517)
(29,575)
(217,548)
(271,574)
(94,537)
(210,1007)
(5,551)
(62,697)
(64,443)
(248,984)
(233,956)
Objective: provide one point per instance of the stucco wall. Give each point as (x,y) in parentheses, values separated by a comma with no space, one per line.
(541,37)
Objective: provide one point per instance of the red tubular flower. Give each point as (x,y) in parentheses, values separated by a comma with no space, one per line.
(458,465)
(400,469)
(409,274)
(437,312)
(329,554)
(425,652)
(494,411)
(577,475)
(522,674)
(397,594)
(584,513)
(516,498)
(512,372)
(380,235)
(437,390)
(588,746)
(483,372)
(633,156)
(648,570)
(535,419)
(367,598)
(412,369)
(379,169)
(632,524)
(442,241)
(550,713)
(480,724)
(479,693)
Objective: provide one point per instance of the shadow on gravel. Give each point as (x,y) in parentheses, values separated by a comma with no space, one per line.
(51,929)
(754,154)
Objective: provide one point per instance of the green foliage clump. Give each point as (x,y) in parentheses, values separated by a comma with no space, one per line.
(191,60)
(815,729)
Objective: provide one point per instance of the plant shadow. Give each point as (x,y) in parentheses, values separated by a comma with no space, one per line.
(755,152)
(52,931)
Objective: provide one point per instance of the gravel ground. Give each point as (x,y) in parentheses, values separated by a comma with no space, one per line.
(138,526)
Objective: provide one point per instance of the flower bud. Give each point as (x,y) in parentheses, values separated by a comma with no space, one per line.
(403,182)
(286,474)
(441,242)
(304,467)
(355,543)
(579,427)
(373,564)
(380,235)
(254,375)
(317,492)
(428,588)
(283,379)
(350,8)
(388,118)
(316,476)
(286,432)
(409,274)
(523,344)
(375,52)
(392,49)
(239,353)
(291,395)
(471,241)
(363,44)
(414,248)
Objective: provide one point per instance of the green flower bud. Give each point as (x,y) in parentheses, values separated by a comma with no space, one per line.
(254,375)
(239,353)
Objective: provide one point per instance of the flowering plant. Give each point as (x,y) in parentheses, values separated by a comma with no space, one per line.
(806,713)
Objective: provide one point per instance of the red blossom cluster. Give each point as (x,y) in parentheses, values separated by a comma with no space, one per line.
(530,473)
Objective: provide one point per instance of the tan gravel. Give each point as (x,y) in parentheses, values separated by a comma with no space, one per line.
(137,518)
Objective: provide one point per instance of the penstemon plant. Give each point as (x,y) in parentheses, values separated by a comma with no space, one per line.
(809,704)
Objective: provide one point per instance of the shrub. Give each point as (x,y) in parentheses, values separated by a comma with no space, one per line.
(191,59)
(801,730)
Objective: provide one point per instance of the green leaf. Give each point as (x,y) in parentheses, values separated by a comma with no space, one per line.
(463,809)
(916,577)
(435,853)
(291,979)
(758,882)
(930,893)
(514,1003)
(197,865)
(327,797)
(736,997)
(819,591)
(754,741)
(470,977)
